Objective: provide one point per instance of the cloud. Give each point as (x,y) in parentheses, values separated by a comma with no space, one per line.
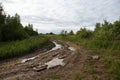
(55,15)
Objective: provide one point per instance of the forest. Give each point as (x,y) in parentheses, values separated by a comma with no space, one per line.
(11,28)
(16,39)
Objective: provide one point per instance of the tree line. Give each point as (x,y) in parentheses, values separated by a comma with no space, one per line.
(12,29)
(103,31)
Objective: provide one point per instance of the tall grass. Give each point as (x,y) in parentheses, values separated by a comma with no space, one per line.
(108,50)
(17,48)
(93,44)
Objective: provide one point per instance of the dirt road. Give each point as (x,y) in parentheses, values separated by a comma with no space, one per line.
(63,62)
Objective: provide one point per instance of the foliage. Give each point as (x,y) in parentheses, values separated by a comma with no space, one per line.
(71,32)
(103,41)
(78,77)
(107,31)
(63,33)
(56,76)
(11,28)
(29,30)
(84,33)
(17,48)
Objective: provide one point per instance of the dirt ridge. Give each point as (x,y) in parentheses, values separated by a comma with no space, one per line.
(73,68)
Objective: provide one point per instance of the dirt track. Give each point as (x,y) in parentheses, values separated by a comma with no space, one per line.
(74,63)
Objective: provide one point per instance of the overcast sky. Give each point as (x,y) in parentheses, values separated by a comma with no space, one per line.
(55,15)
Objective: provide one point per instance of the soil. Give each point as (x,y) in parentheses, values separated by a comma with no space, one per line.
(74,68)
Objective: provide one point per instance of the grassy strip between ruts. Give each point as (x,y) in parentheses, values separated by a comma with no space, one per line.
(108,50)
(17,48)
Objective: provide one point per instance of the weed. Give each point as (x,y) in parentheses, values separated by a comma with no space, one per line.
(78,77)
(55,76)
(17,48)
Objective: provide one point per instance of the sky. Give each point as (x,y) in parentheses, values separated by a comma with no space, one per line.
(56,15)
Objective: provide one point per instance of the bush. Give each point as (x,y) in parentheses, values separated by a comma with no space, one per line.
(84,33)
(11,28)
(17,48)
(107,31)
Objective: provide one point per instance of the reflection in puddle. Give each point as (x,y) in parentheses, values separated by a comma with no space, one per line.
(57,46)
(71,48)
(55,62)
(28,59)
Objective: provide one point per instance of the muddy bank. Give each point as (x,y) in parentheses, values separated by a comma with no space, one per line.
(34,52)
(64,61)
(56,47)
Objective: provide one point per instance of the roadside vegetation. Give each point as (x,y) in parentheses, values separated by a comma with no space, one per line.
(103,41)
(11,28)
(16,39)
(22,47)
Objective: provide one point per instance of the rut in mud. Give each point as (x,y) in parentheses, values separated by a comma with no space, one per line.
(62,62)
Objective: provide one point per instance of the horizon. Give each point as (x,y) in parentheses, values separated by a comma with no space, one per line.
(63,15)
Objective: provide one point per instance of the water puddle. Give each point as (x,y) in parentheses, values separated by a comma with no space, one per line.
(57,46)
(55,62)
(71,48)
(28,59)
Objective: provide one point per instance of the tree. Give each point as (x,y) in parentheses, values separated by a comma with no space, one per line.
(12,29)
(97,27)
(108,31)
(63,33)
(2,20)
(84,33)
(104,32)
(30,31)
(71,32)
(2,15)
(116,30)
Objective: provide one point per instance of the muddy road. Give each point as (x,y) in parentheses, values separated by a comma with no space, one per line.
(63,62)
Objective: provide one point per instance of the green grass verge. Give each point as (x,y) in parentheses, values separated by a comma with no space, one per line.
(55,76)
(17,48)
(108,50)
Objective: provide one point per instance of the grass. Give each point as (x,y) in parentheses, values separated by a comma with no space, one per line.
(78,77)
(93,44)
(108,50)
(113,67)
(17,48)
(55,76)
(90,69)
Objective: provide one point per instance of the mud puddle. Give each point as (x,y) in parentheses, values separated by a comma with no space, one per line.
(55,62)
(57,46)
(71,48)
